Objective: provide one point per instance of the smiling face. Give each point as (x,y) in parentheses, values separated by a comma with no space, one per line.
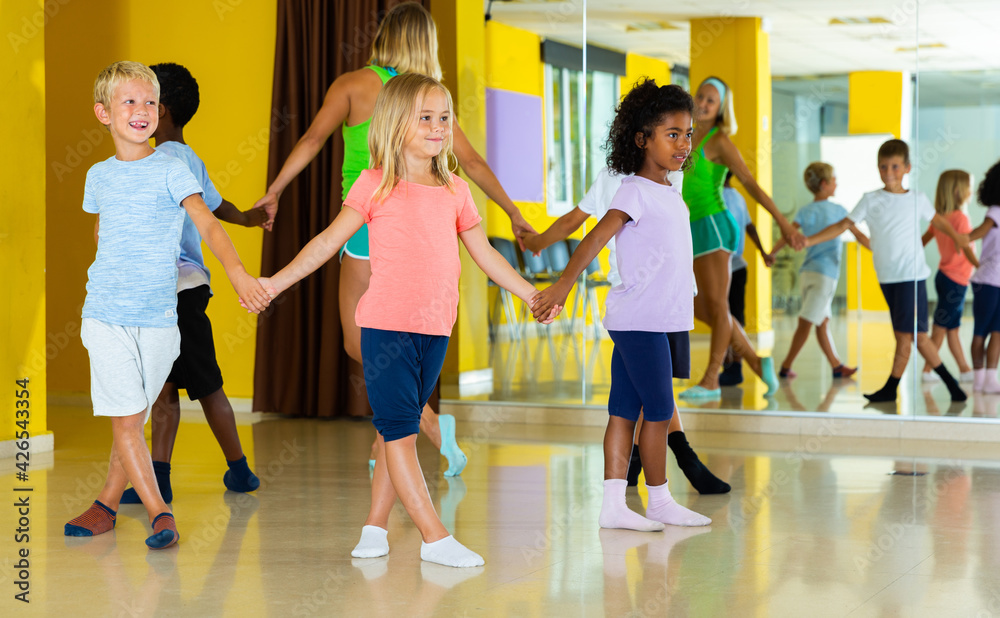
(131,115)
(430,127)
(707,104)
(669,143)
(891,170)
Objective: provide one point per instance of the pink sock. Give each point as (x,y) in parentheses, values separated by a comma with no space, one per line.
(616,514)
(662,507)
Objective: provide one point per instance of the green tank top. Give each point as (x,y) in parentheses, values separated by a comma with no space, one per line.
(702,188)
(356,155)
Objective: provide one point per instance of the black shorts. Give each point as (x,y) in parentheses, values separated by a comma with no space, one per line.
(903,299)
(196,368)
(738,295)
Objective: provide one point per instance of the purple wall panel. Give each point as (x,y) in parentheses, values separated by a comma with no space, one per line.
(514,143)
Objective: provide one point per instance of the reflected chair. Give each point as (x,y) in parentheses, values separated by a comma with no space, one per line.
(504,298)
(586,289)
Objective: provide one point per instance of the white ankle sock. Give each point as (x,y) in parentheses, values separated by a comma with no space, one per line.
(450,552)
(662,507)
(616,514)
(978,379)
(373,543)
(990,383)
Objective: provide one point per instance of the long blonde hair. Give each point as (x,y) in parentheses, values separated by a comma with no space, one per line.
(953,189)
(395,109)
(406,40)
(726,120)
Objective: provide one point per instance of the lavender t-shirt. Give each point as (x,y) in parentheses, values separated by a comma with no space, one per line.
(654,258)
(989,260)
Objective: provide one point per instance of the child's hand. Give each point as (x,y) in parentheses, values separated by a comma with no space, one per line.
(520,227)
(253,297)
(555,311)
(962,242)
(270,205)
(256,217)
(530,240)
(769,260)
(545,301)
(795,238)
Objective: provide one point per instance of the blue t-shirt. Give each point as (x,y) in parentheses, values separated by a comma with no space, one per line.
(190,238)
(823,258)
(133,280)
(738,207)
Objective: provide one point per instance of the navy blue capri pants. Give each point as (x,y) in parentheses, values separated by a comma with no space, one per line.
(643,365)
(401,372)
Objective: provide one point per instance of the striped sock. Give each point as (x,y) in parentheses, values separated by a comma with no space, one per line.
(164,532)
(98,519)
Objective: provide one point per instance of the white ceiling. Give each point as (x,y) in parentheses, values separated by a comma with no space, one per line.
(802,40)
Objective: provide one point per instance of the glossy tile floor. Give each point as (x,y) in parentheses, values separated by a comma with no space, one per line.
(819,527)
(553,367)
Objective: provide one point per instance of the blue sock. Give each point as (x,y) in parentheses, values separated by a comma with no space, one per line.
(239,477)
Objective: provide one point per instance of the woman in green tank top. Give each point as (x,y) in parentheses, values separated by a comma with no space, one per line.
(715,234)
(406,41)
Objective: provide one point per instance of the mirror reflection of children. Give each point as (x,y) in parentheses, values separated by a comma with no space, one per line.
(649,314)
(416,211)
(820,270)
(892,214)
(954,190)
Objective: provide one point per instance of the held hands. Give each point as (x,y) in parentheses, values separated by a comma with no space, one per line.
(256,217)
(768,259)
(253,296)
(531,241)
(270,205)
(795,238)
(547,304)
(962,242)
(520,227)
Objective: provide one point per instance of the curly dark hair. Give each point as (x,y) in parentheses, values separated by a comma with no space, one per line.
(989,188)
(639,112)
(178,91)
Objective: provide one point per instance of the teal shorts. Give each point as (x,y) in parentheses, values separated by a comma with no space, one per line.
(718,232)
(357,245)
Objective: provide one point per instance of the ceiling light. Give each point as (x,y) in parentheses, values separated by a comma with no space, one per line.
(854,21)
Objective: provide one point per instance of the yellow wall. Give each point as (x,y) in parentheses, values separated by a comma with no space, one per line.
(738,52)
(22,224)
(637,66)
(875,105)
(229,48)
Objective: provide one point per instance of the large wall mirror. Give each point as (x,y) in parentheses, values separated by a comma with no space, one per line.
(820,84)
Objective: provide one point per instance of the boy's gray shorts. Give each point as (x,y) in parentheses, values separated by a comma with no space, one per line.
(128,365)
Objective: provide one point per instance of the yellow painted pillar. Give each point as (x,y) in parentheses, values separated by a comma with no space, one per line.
(461,38)
(22,232)
(638,66)
(737,50)
(875,104)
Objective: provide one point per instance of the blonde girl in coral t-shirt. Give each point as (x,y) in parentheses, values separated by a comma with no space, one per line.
(952,280)
(416,211)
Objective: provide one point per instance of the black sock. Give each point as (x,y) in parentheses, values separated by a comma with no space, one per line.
(701,478)
(634,467)
(162,471)
(239,477)
(886,393)
(957,394)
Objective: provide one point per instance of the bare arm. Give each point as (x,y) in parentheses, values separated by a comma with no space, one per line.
(333,113)
(983,228)
(494,265)
(317,251)
(961,240)
(228,212)
(249,291)
(560,229)
(590,246)
(97,229)
(863,239)
(481,174)
(971,256)
(732,159)
(928,236)
(752,233)
(830,232)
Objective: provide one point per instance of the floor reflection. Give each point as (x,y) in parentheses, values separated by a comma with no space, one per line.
(833,530)
(554,366)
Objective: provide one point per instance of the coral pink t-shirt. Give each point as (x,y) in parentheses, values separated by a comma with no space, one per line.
(413,244)
(954,264)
